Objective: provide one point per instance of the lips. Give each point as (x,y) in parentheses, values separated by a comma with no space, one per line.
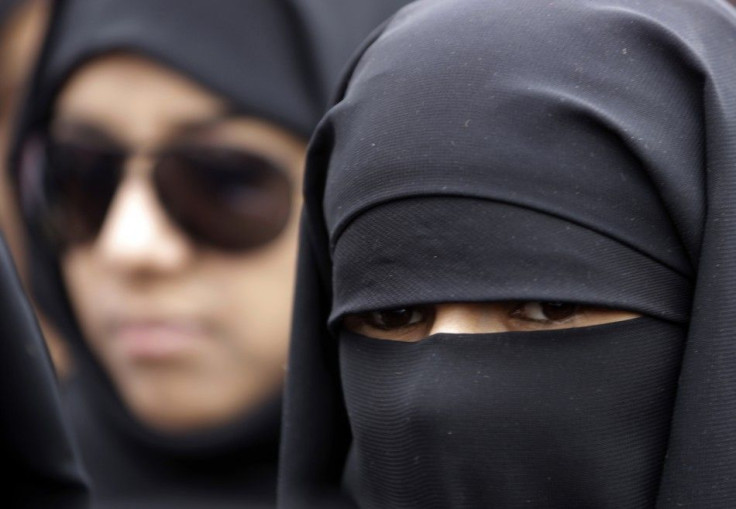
(158,339)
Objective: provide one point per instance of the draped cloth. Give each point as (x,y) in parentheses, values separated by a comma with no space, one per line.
(564,151)
(34,435)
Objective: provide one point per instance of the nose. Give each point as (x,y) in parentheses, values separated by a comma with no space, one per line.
(469,318)
(137,235)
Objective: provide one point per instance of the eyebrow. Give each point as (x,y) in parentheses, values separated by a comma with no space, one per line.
(196,126)
(93,131)
(86,130)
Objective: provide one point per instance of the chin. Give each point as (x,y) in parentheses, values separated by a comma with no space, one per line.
(160,414)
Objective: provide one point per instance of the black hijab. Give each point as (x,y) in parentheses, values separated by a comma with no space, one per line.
(484,150)
(274,59)
(43,467)
(7,7)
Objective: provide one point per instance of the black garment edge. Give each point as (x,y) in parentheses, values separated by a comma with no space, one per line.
(42,464)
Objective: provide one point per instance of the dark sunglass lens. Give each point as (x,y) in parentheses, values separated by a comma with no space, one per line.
(78,185)
(230,199)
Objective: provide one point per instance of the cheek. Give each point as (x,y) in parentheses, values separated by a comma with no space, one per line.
(85,284)
(255,293)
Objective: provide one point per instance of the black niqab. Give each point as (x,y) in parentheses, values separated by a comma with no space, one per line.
(565,151)
(270,59)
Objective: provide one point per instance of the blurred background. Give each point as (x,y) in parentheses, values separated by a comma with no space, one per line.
(151,158)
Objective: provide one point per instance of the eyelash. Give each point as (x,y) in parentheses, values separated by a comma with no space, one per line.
(372,319)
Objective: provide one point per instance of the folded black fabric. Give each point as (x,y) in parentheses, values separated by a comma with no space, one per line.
(42,465)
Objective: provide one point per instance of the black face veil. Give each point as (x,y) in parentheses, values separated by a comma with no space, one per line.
(275,60)
(574,151)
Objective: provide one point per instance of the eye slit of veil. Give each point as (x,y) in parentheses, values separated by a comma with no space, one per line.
(414,323)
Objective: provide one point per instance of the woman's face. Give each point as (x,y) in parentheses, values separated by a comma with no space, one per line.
(418,322)
(191,335)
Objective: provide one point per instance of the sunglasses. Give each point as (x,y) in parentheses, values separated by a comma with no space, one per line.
(225,198)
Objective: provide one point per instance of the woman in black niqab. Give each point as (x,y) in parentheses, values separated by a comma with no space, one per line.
(573,152)
(266,59)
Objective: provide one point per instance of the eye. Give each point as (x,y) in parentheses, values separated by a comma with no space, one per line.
(400,324)
(389,319)
(545,312)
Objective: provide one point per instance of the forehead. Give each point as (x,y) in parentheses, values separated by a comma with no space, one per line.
(135,98)
(145,105)
(141,102)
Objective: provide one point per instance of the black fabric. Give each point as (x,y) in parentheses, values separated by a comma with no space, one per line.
(275,60)
(567,418)
(397,255)
(481,150)
(42,467)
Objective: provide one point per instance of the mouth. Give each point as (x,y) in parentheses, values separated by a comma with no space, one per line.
(158,339)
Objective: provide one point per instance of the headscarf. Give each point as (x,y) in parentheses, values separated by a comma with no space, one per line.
(272,59)
(6,10)
(35,441)
(482,150)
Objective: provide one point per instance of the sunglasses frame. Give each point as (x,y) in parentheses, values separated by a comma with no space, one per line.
(235,233)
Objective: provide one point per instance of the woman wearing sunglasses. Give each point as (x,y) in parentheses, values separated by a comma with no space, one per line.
(519,223)
(158,168)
